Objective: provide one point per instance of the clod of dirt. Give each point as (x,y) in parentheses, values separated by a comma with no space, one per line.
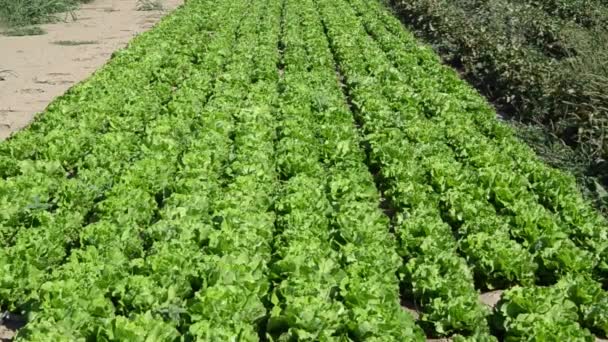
(32,91)
(491,298)
(5,73)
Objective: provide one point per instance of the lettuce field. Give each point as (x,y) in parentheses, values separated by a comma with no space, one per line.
(289,170)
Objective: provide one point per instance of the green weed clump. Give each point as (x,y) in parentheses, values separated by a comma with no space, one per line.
(17,13)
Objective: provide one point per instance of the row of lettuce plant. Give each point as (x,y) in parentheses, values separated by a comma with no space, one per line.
(307,272)
(560,246)
(437,277)
(362,232)
(335,276)
(232,304)
(76,138)
(560,255)
(186,234)
(555,190)
(81,297)
(216,276)
(520,214)
(44,208)
(52,230)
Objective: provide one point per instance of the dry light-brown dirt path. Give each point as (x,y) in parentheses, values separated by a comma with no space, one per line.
(36,69)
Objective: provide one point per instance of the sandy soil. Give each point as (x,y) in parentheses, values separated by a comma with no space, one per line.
(36,69)
(491,298)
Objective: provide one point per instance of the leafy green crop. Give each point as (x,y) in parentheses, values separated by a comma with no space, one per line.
(289,170)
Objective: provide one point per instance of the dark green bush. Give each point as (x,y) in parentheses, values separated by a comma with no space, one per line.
(540,61)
